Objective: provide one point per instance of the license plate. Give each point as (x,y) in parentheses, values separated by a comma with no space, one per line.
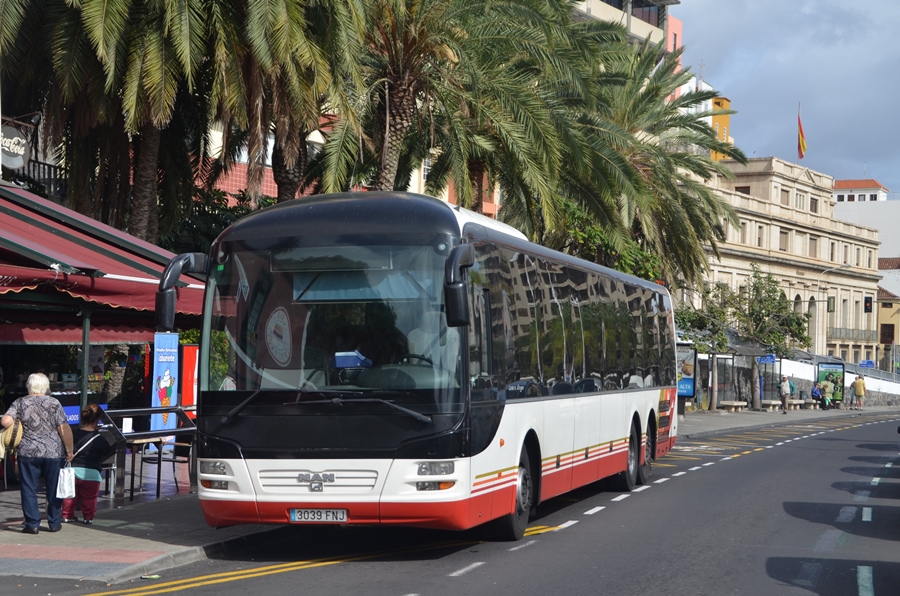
(319,516)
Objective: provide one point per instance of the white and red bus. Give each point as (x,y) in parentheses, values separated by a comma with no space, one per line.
(388,358)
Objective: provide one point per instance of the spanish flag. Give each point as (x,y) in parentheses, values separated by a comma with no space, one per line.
(801,138)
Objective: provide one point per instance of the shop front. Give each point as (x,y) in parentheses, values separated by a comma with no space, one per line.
(76,303)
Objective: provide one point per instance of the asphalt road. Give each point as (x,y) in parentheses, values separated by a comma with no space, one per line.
(806,508)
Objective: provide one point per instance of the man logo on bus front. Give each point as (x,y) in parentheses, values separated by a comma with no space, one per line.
(316,481)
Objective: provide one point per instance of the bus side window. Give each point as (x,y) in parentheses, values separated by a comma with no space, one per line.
(480,357)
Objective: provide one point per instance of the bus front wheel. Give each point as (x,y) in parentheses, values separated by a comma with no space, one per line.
(512,526)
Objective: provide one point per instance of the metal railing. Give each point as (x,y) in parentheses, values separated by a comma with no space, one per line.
(843,333)
(186,429)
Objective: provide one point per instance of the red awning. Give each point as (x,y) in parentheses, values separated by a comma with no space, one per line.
(44,334)
(45,244)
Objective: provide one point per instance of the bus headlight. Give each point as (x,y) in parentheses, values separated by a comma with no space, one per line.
(436,468)
(213,467)
(434,485)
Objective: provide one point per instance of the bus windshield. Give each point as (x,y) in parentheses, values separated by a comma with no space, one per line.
(316,320)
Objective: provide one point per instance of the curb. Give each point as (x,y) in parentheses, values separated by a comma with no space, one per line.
(189,555)
(722,431)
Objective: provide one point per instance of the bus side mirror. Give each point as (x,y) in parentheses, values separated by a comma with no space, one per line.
(455,289)
(166,297)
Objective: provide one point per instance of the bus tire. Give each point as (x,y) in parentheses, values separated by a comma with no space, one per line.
(626,481)
(511,527)
(649,451)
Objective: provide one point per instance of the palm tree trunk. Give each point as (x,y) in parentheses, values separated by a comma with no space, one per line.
(286,177)
(143,200)
(401,100)
(754,384)
(476,175)
(713,382)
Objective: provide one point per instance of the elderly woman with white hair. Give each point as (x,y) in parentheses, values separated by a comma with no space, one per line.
(46,442)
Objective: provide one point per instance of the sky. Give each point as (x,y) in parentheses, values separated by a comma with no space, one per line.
(838,59)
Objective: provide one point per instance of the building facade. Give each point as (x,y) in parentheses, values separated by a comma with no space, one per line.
(859,191)
(827,268)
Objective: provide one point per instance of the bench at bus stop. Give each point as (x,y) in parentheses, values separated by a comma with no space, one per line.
(771,405)
(733,406)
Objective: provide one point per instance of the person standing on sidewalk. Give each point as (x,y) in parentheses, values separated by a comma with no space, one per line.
(46,441)
(859,388)
(785,390)
(91,448)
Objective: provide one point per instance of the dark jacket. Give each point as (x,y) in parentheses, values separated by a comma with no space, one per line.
(94,454)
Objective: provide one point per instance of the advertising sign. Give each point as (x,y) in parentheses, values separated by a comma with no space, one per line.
(867,364)
(190,358)
(830,377)
(13,148)
(686,367)
(165,381)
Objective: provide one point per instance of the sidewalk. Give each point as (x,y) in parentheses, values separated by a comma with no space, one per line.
(152,535)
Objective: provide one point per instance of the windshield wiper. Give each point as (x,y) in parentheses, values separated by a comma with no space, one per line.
(238,408)
(341,401)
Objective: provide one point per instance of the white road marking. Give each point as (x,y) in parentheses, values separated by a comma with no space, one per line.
(809,575)
(620,498)
(888,465)
(781,443)
(679,473)
(709,463)
(769,446)
(828,541)
(694,468)
(568,524)
(847,515)
(529,543)
(594,510)
(867,514)
(660,481)
(862,496)
(466,569)
(875,481)
(864,581)
(640,488)
(805,437)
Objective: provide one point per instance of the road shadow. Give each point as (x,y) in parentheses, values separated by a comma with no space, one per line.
(883,490)
(875,459)
(885,524)
(872,472)
(895,447)
(835,577)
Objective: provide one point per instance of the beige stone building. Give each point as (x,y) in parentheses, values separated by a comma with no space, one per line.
(827,267)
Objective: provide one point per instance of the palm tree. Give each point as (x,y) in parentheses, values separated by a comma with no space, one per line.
(672,213)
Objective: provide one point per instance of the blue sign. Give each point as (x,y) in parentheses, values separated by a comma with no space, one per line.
(165,382)
(767,359)
(867,364)
(73,413)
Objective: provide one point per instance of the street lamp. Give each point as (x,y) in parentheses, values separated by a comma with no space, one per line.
(819,287)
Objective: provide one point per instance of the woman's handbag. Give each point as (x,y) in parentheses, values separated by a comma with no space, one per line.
(65,487)
(11,437)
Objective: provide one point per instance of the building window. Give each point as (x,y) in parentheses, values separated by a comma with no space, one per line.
(873,197)
(813,246)
(646,11)
(831,353)
(855,355)
(813,205)
(759,236)
(869,260)
(743,232)
(846,254)
(844,355)
(783,240)
(742,189)
(717,130)
(857,257)
(868,354)
(840,198)
(887,305)
(850,198)
(845,315)
(862,198)
(725,133)
(674,41)
(799,201)
(856,313)
(785,197)
(833,248)
(887,334)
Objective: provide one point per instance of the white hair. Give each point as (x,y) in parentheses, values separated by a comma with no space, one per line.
(37,384)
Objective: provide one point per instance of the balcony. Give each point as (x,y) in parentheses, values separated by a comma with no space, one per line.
(858,335)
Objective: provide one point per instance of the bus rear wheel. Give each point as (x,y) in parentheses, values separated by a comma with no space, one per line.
(649,452)
(512,527)
(626,481)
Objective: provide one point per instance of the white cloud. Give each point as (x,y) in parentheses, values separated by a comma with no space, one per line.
(840,59)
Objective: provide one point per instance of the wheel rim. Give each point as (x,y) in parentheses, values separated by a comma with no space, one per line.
(632,456)
(523,489)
